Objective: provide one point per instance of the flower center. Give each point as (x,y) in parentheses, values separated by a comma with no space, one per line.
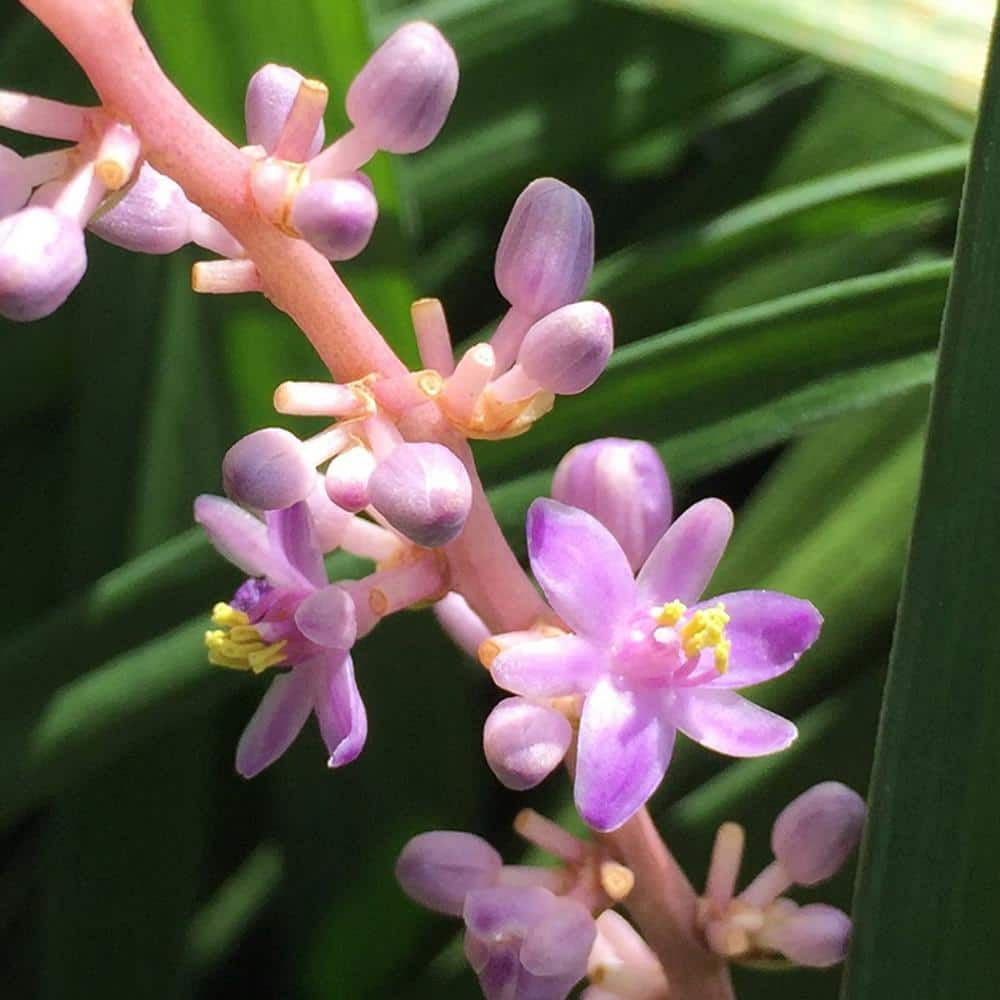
(664,644)
(236,644)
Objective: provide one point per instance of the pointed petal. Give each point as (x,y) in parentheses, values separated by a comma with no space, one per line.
(291,532)
(581,568)
(241,538)
(684,559)
(727,723)
(623,754)
(339,708)
(549,668)
(280,716)
(327,617)
(768,632)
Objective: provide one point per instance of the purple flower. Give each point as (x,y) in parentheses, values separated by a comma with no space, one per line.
(648,658)
(526,943)
(285,615)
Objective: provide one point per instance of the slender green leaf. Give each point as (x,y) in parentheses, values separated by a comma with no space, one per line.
(936,49)
(928,880)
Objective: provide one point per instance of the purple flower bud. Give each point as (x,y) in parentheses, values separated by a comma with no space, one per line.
(267,470)
(525,742)
(402,95)
(816,935)
(814,834)
(567,350)
(270,95)
(438,869)
(336,216)
(15,188)
(526,943)
(153,217)
(347,478)
(546,252)
(42,259)
(624,485)
(423,491)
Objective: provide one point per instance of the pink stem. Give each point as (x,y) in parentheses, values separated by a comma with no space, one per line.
(105,40)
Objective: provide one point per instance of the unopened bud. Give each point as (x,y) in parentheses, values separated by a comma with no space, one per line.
(423,491)
(267,470)
(15,188)
(624,485)
(816,935)
(815,833)
(438,869)
(566,351)
(347,478)
(336,216)
(153,217)
(42,259)
(270,96)
(525,742)
(402,95)
(546,252)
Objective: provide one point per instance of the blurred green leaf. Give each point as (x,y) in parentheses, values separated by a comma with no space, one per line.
(724,366)
(928,871)
(936,49)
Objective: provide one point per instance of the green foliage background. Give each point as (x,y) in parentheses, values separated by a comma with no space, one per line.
(774,234)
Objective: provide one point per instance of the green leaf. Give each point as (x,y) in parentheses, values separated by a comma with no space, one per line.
(721,368)
(935,49)
(927,881)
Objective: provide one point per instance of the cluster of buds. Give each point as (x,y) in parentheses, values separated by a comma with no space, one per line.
(530,931)
(811,839)
(536,932)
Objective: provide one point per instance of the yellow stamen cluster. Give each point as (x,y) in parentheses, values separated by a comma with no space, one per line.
(703,630)
(238,645)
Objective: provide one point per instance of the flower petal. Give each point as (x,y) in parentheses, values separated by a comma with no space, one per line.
(727,723)
(339,708)
(291,532)
(549,668)
(684,559)
(768,631)
(327,617)
(241,538)
(581,568)
(280,716)
(559,944)
(624,750)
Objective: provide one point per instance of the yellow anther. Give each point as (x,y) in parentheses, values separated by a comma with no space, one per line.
(722,649)
(223,614)
(669,614)
(238,645)
(707,630)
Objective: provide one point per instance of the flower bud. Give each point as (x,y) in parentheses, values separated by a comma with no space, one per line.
(624,485)
(402,95)
(816,935)
(526,942)
(438,869)
(814,834)
(347,478)
(267,470)
(567,350)
(525,742)
(15,188)
(336,216)
(270,96)
(42,259)
(423,491)
(153,217)
(546,252)
(623,963)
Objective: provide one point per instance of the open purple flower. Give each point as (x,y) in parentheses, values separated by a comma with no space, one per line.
(648,658)
(285,615)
